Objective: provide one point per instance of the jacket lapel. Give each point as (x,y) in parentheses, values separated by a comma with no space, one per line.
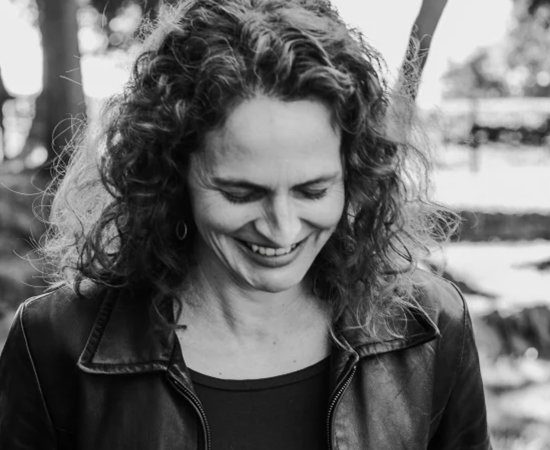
(354,344)
(124,340)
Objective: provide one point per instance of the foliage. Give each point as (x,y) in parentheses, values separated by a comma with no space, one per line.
(529,46)
(478,76)
(121,32)
(518,66)
(533,5)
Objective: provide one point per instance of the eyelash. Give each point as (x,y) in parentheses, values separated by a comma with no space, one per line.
(314,195)
(238,199)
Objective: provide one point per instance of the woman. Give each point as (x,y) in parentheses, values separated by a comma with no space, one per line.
(239,270)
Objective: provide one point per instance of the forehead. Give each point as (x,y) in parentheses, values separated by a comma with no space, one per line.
(264,135)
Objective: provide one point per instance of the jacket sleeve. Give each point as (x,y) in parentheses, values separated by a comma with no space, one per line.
(24,418)
(463,424)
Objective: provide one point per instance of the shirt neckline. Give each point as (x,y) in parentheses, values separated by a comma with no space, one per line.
(261,383)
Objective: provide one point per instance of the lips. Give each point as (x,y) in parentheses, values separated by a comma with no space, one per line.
(270,252)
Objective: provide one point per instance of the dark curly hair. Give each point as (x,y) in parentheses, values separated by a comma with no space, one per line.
(115,213)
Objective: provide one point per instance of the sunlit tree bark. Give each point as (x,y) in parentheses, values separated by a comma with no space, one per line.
(420,41)
(4,96)
(402,111)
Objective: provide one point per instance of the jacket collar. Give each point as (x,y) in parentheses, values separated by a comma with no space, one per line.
(415,325)
(123,340)
(354,344)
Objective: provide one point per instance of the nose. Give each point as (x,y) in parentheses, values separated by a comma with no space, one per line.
(280,223)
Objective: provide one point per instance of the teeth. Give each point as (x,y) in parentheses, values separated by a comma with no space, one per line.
(283,251)
(270,251)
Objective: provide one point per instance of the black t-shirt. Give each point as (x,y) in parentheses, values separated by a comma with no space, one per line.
(284,412)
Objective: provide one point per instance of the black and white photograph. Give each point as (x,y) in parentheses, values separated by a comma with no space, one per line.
(274,224)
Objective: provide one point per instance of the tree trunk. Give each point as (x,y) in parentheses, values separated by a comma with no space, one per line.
(62,97)
(420,41)
(401,113)
(4,96)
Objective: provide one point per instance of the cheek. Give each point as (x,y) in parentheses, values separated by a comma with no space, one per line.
(327,213)
(213,214)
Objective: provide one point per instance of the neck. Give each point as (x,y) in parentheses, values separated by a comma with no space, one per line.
(229,310)
(234,332)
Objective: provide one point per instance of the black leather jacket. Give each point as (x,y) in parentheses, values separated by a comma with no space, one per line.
(92,374)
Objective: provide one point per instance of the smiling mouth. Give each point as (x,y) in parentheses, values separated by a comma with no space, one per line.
(270,251)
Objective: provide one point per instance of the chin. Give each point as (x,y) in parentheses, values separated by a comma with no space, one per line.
(273,288)
(275,284)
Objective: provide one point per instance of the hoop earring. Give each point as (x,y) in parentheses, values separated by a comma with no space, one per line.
(181,230)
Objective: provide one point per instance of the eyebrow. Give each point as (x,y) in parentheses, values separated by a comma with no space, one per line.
(238,183)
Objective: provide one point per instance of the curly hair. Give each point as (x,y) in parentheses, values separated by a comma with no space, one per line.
(115,213)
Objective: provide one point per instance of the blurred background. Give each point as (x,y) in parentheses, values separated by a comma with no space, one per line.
(484,99)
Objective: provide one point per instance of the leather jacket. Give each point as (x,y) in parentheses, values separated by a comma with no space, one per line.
(94,373)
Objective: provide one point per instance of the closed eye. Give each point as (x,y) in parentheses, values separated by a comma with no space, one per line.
(313,194)
(241,195)
(239,191)
(251,196)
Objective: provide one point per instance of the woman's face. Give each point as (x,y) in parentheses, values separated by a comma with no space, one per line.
(267,192)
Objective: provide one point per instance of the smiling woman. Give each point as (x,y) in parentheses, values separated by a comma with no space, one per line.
(237,264)
(267,192)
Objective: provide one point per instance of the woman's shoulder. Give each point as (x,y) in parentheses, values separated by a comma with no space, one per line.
(439,298)
(443,304)
(59,320)
(62,303)
(38,364)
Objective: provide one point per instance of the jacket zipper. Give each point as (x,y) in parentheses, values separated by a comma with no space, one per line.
(206,429)
(192,398)
(343,386)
